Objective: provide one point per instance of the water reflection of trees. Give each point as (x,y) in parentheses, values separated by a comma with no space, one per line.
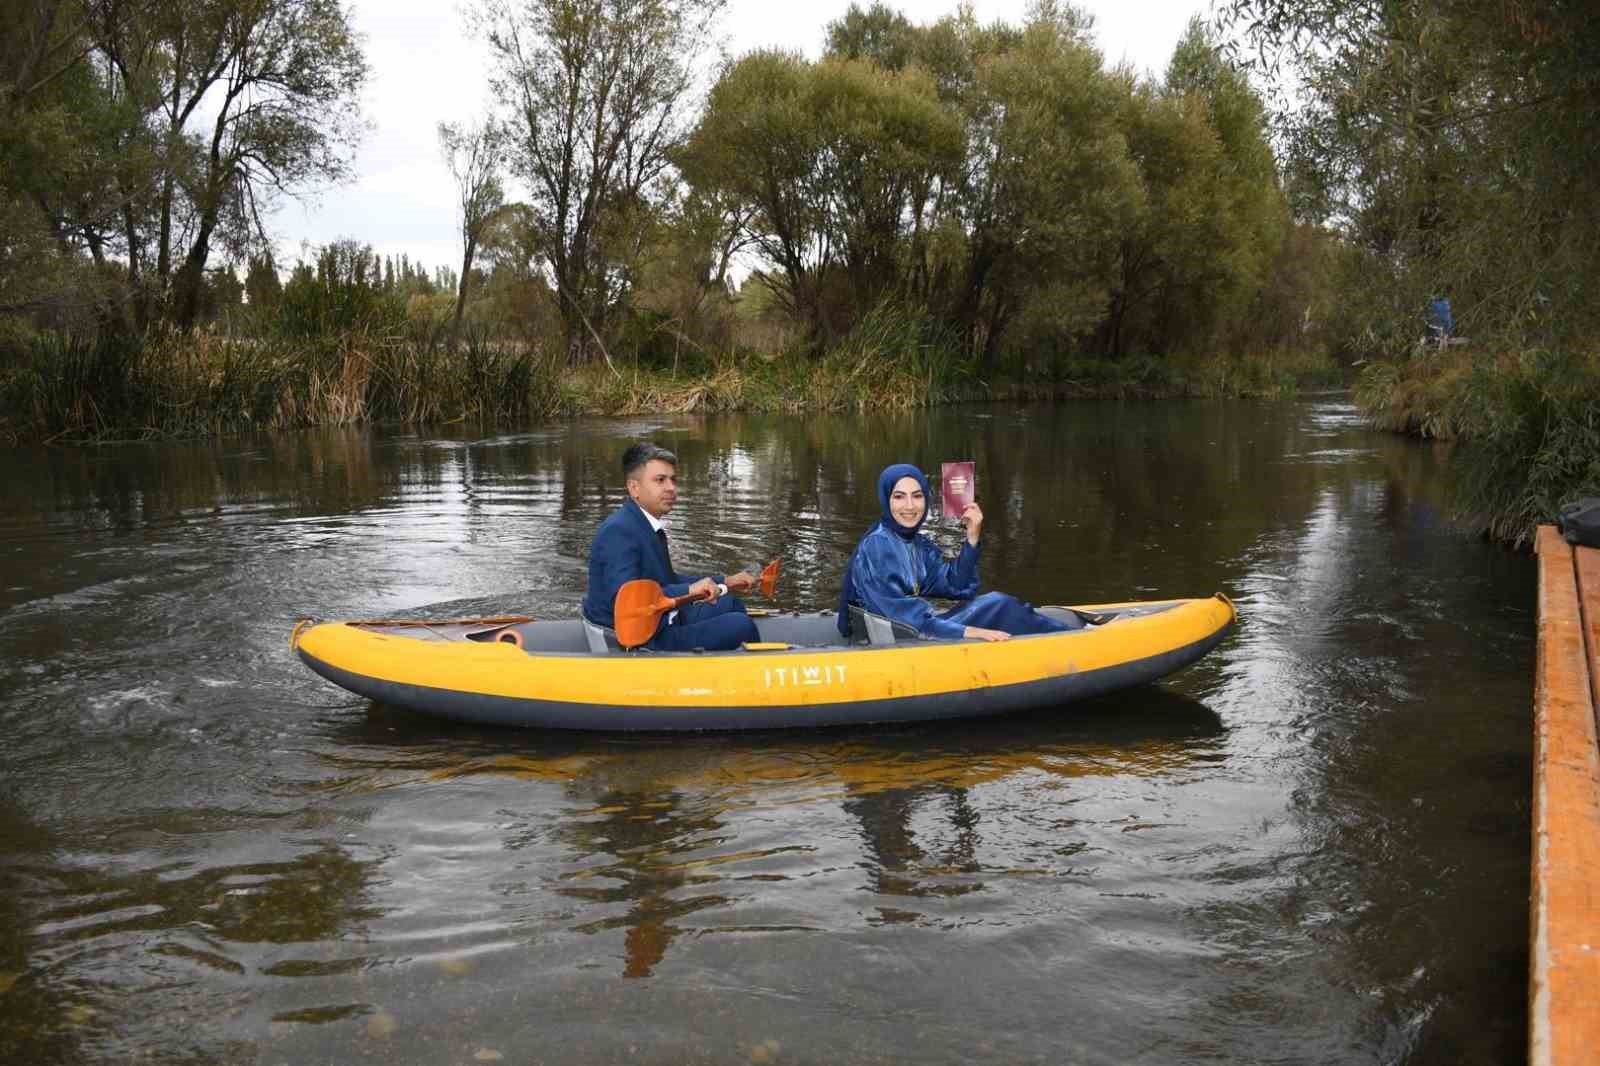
(897,859)
(1386,667)
(651,828)
(1078,494)
(107,952)
(35,1019)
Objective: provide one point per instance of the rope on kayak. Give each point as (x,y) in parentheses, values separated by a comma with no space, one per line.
(416,623)
(429,623)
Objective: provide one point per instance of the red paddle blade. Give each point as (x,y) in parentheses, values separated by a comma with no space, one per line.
(769,578)
(637,607)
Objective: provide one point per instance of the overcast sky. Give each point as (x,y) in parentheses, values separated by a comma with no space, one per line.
(425,69)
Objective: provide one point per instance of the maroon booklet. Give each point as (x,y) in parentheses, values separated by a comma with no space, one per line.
(959,482)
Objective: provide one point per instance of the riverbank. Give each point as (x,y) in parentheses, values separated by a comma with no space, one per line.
(62,391)
(1526,425)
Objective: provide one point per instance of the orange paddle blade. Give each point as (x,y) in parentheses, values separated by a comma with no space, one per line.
(637,608)
(769,578)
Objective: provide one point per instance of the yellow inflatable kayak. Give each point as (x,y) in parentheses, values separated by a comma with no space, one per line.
(561,674)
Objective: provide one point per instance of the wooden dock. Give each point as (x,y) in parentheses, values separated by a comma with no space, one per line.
(1564,977)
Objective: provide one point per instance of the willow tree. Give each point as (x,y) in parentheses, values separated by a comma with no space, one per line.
(251,99)
(59,126)
(838,160)
(1454,142)
(1047,188)
(147,135)
(1213,216)
(597,95)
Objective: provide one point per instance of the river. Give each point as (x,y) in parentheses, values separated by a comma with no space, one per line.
(1311,847)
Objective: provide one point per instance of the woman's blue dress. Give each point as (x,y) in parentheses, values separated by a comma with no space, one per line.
(893,568)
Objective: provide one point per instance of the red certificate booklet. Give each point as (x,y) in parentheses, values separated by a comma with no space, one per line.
(960,485)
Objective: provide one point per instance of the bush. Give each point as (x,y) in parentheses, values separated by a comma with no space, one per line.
(1530,427)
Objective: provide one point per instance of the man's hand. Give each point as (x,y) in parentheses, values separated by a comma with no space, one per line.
(743,581)
(705,589)
(972,518)
(991,635)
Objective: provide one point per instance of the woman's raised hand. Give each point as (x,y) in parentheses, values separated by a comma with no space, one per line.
(972,518)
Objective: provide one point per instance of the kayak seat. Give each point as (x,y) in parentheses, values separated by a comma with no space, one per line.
(602,640)
(877,629)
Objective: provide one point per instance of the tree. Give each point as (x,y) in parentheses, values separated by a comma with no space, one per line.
(235,102)
(1213,216)
(1454,143)
(597,93)
(878,34)
(473,155)
(262,287)
(60,128)
(1048,183)
(838,160)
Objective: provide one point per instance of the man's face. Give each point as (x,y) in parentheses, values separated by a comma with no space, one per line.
(655,488)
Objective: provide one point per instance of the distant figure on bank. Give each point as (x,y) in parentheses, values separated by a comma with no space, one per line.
(632,544)
(1441,323)
(895,565)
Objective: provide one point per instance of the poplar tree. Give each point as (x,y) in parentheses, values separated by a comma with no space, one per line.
(472,152)
(597,95)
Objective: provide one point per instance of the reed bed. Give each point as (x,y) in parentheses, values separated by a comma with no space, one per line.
(1526,425)
(197,385)
(57,389)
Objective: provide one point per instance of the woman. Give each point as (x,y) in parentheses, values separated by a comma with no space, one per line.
(894,566)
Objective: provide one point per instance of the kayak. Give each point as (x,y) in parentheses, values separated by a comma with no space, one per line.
(566,674)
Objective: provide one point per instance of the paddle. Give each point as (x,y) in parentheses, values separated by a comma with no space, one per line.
(767,580)
(640,604)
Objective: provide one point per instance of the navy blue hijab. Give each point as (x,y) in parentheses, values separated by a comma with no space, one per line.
(886,483)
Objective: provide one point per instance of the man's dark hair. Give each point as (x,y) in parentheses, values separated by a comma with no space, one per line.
(637,455)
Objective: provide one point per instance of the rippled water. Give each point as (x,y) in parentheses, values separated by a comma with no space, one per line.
(1311,847)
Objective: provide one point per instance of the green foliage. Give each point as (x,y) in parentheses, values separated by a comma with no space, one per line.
(837,160)
(262,286)
(932,211)
(344,291)
(596,94)
(1531,441)
(1455,142)
(1453,147)
(1527,427)
(150,136)
(1002,180)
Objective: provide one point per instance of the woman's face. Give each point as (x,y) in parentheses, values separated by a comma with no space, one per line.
(907,503)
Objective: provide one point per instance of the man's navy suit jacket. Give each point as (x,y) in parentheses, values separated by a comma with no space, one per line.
(625,549)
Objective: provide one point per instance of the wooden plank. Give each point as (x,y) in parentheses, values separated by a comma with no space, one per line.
(1564,992)
(1587,562)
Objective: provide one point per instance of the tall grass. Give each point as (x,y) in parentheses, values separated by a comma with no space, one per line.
(196,385)
(1527,425)
(318,365)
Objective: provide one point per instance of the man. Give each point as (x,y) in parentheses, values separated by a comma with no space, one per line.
(632,544)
